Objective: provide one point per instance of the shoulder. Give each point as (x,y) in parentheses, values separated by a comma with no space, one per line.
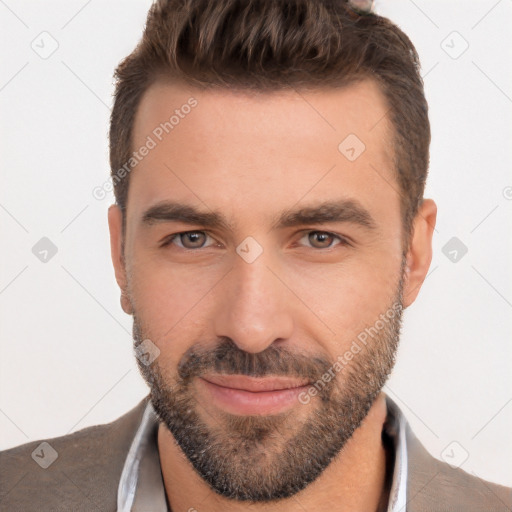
(435,485)
(79,471)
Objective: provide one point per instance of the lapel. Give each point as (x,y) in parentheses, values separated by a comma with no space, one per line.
(434,485)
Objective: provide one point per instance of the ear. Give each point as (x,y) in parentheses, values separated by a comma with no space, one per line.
(419,254)
(115,225)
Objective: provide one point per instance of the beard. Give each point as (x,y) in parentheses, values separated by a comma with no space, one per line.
(271,457)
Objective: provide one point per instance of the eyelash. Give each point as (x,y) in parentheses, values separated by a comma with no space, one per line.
(342,240)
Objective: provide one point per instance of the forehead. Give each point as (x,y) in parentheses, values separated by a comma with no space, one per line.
(259,152)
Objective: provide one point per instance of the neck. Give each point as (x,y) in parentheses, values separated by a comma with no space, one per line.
(354,481)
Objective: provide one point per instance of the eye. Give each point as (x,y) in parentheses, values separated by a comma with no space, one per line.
(188,240)
(323,239)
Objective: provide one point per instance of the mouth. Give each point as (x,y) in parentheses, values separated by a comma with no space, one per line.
(243,395)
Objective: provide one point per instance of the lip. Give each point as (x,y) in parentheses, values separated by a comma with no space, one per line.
(255,384)
(242,395)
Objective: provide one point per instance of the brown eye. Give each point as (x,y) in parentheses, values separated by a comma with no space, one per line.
(322,239)
(192,239)
(188,240)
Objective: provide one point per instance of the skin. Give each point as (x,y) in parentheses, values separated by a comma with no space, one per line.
(251,157)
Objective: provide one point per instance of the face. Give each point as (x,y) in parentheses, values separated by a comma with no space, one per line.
(263,251)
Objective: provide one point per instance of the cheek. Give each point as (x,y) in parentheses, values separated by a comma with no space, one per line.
(347,297)
(169,297)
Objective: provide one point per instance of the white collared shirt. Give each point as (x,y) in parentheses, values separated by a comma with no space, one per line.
(141,487)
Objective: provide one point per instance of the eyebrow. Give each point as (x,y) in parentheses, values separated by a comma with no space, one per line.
(167,211)
(346,210)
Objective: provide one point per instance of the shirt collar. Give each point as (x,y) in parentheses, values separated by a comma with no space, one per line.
(395,427)
(141,486)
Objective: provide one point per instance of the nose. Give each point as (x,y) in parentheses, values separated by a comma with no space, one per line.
(253,308)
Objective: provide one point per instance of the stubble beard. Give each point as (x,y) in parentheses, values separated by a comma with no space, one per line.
(271,457)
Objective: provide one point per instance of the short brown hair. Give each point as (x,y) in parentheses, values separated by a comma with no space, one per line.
(275,44)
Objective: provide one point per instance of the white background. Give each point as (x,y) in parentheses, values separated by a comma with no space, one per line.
(66,357)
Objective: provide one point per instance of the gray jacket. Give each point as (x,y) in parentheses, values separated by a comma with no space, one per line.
(85,476)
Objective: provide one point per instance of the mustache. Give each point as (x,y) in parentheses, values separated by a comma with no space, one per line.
(227,358)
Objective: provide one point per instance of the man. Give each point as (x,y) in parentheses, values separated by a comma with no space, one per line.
(269,160)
